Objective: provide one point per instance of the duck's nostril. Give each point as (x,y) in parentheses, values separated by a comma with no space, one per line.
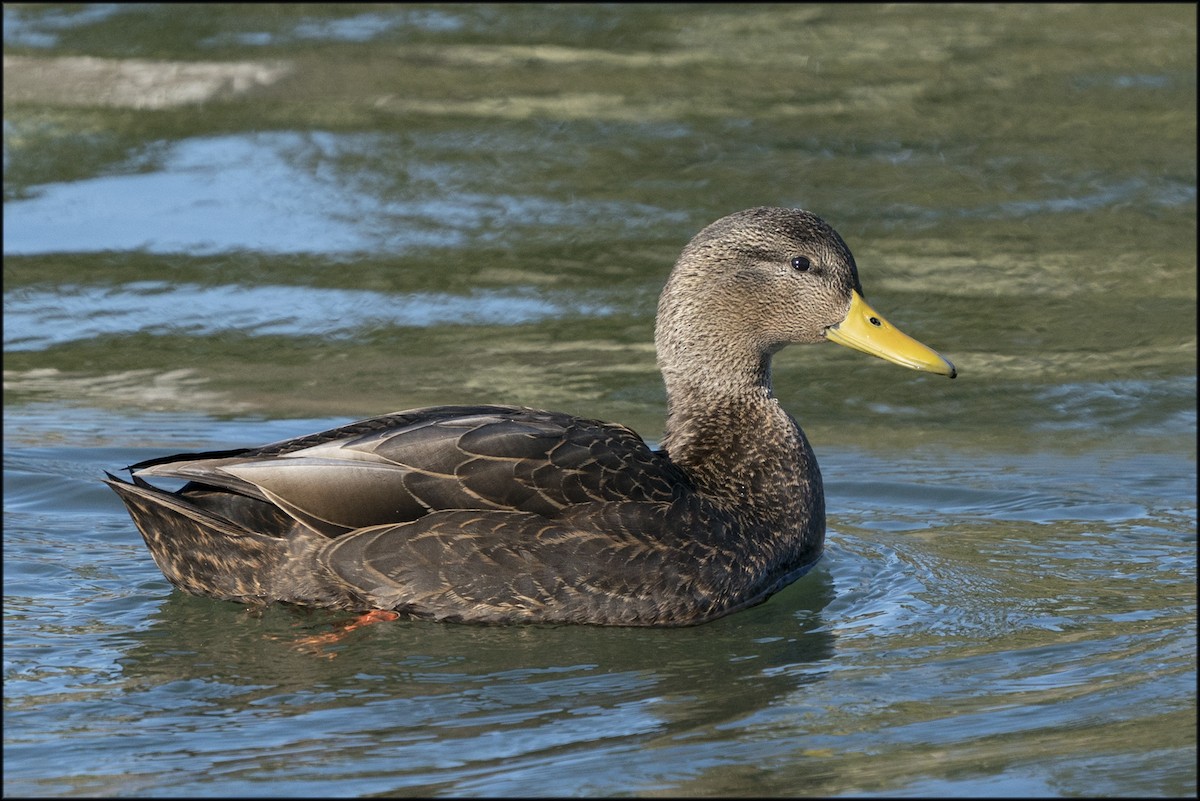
(875,322)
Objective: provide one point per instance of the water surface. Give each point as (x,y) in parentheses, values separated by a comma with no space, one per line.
(226,225)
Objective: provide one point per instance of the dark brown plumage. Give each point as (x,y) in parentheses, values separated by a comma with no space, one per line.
(501,514)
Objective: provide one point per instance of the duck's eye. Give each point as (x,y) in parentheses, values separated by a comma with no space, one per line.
(801,264)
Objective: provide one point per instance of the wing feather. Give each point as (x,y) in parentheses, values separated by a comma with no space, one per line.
(400,467)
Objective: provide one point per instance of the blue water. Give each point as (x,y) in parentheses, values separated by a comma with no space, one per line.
(239,224)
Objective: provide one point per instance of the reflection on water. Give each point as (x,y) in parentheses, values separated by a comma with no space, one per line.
(217,217)
(42,30)
(203,195)
(282,193)
(37,320)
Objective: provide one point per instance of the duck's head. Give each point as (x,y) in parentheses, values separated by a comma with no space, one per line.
(763,278)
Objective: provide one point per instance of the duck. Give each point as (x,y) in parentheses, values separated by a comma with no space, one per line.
(500,514)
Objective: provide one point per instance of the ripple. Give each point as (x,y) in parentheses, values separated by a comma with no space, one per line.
(39,319)
(32,26)
(283,192)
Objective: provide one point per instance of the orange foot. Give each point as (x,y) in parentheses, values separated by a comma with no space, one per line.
(317,642)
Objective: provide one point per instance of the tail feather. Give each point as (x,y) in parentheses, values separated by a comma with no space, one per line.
(200,552)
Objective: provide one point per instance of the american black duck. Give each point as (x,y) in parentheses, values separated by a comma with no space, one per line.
(501,514)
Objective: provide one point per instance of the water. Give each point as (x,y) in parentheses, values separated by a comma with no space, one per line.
(226,225)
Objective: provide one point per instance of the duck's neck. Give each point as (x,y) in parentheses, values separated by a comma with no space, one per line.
(727,430)
(724,425)
(720,431)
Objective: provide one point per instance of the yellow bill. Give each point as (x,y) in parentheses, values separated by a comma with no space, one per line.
(863,329)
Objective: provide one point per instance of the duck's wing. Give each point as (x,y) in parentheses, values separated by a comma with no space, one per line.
(402,466)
